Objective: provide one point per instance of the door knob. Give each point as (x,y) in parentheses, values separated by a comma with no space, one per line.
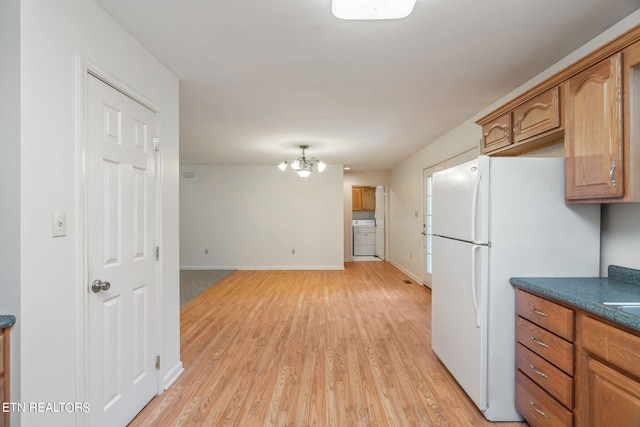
(99,285)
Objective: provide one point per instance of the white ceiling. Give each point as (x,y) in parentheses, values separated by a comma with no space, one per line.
(260,77)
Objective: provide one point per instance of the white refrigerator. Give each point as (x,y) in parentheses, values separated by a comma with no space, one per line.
(496,218)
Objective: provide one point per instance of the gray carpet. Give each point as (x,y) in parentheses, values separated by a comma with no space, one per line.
(195,282)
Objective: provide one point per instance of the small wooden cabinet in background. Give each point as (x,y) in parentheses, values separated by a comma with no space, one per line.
(363,198)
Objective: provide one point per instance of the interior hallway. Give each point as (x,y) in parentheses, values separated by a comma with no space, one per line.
(325,348)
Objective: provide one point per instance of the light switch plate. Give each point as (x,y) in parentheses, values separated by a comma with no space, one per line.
(58,224)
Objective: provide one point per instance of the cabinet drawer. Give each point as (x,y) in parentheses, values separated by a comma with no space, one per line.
(538,407)
(553,380)
(551,347)
(549,315)
(613,345)
(538,115)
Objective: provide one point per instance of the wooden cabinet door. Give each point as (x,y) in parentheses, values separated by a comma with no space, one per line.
(539,114)
(593,132)
(356,198)
(497,133)
(614,399)
(368,198)
(631,85)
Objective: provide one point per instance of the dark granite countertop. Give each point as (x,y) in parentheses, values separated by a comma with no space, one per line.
(589,294)
(6,320)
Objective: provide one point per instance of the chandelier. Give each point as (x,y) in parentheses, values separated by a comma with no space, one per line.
(303,166)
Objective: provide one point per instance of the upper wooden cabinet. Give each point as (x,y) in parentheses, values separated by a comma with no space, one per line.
(593,132)
(538,115)
(363,198)
(497,133)
(594,106)
(536,118)
(602,150)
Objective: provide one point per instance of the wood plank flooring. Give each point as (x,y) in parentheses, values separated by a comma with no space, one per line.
(311,348)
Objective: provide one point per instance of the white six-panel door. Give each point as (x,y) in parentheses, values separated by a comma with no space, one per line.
(121,220)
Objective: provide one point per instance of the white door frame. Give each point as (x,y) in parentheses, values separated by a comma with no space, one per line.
(83,70)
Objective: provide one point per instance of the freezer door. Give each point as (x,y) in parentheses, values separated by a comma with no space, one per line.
(458,334)
(461,201)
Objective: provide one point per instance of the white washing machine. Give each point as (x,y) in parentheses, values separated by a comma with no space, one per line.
(364,237)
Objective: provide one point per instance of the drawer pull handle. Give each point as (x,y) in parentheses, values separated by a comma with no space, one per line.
(533,405)
(542,374)
(538,342)
(541,313)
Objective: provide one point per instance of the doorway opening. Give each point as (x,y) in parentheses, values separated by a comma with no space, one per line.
(368,213)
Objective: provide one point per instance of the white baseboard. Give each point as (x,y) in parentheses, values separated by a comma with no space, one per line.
(173,374)
(266,267)
(405,271)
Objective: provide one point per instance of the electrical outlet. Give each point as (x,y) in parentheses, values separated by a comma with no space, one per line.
(293,251)
(58,224)
(206,251)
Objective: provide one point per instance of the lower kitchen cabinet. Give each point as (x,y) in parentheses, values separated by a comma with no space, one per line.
(544,361)
(538,407)
(574,368)
(609,369)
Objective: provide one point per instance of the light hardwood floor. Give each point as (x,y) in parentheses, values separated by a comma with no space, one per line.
(312,348)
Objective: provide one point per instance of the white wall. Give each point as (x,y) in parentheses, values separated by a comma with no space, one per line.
(252,217)
(620,240)
(371,178)
(51,282)
(406,195)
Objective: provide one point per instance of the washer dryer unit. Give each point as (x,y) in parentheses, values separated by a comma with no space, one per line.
(364,236)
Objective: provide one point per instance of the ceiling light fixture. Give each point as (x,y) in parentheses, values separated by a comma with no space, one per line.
(372,9)
(303,166)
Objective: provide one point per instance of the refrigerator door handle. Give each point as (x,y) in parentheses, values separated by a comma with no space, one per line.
(474,294)
(474,208)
